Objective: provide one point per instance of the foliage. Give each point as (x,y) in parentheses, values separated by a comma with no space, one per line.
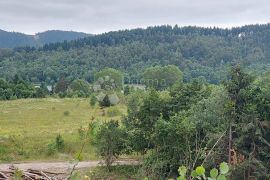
(51,149)
(127,90)
(18,174)
(14,39)
(59,142)
(172,143)
(248,135)
(197,51)
(61,85)
(66,113)
(81,87)
(142,116)
(189,126)
(109,79)
(199,172)
(17,89)
(185,95)
(210,114)
(162,77)
(105,102)
(93,100)
(155,126)
(134,101)
(113,111)
(110,142)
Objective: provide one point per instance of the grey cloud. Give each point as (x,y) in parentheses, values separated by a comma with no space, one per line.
(96,16)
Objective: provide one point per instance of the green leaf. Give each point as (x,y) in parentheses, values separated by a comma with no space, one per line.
(224,168)
(221,177)
(194,174)
(200,170)
(79,156)
(182,170)
(181,178)
(214,173)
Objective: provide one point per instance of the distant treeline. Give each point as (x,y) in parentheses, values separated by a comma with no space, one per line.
(18,88)
(204,53)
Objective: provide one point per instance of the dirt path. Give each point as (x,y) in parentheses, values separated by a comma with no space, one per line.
(61,166)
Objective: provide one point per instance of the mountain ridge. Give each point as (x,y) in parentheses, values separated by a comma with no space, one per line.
(18,39)
(204,53)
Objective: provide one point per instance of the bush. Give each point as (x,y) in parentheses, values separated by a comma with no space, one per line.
(66,113)
(110,142)
(199,172)
(93,100)
(14,97)
(59,142)
(105,102)
(126,90)
(51,149)
(81,87)
(113,111)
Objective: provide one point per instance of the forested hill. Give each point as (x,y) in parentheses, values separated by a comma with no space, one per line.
(199,52)
(14,39)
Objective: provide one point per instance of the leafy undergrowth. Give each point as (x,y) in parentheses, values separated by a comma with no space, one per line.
(119,172)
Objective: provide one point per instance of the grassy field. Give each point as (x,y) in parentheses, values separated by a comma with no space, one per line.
(28,126)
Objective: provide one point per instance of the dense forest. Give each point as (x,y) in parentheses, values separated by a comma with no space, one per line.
(14,39)
(194,124)
(204,53)
(205,102)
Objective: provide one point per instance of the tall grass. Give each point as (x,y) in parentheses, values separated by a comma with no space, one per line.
(28,126)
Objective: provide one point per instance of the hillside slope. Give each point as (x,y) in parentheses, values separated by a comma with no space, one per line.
(204,53)
(15,39)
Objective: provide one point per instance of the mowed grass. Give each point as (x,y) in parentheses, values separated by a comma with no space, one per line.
(28,126)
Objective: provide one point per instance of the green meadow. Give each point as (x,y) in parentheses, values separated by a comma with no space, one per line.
(29,126)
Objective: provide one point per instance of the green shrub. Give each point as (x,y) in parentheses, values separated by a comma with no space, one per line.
(81,132)
(66,113)
(93,100)
(14,97)
(105,102)
(113,111)
(199,172)
(62,94)
(18,174)
(59,142)
(110,142)
(51,149)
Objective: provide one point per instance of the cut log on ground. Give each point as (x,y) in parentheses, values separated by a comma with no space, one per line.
(30,174)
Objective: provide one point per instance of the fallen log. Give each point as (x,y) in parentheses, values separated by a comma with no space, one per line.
(47,172)
(2,175)
(49,178)
(29,174)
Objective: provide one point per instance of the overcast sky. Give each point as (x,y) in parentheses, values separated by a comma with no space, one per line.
(97,16)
